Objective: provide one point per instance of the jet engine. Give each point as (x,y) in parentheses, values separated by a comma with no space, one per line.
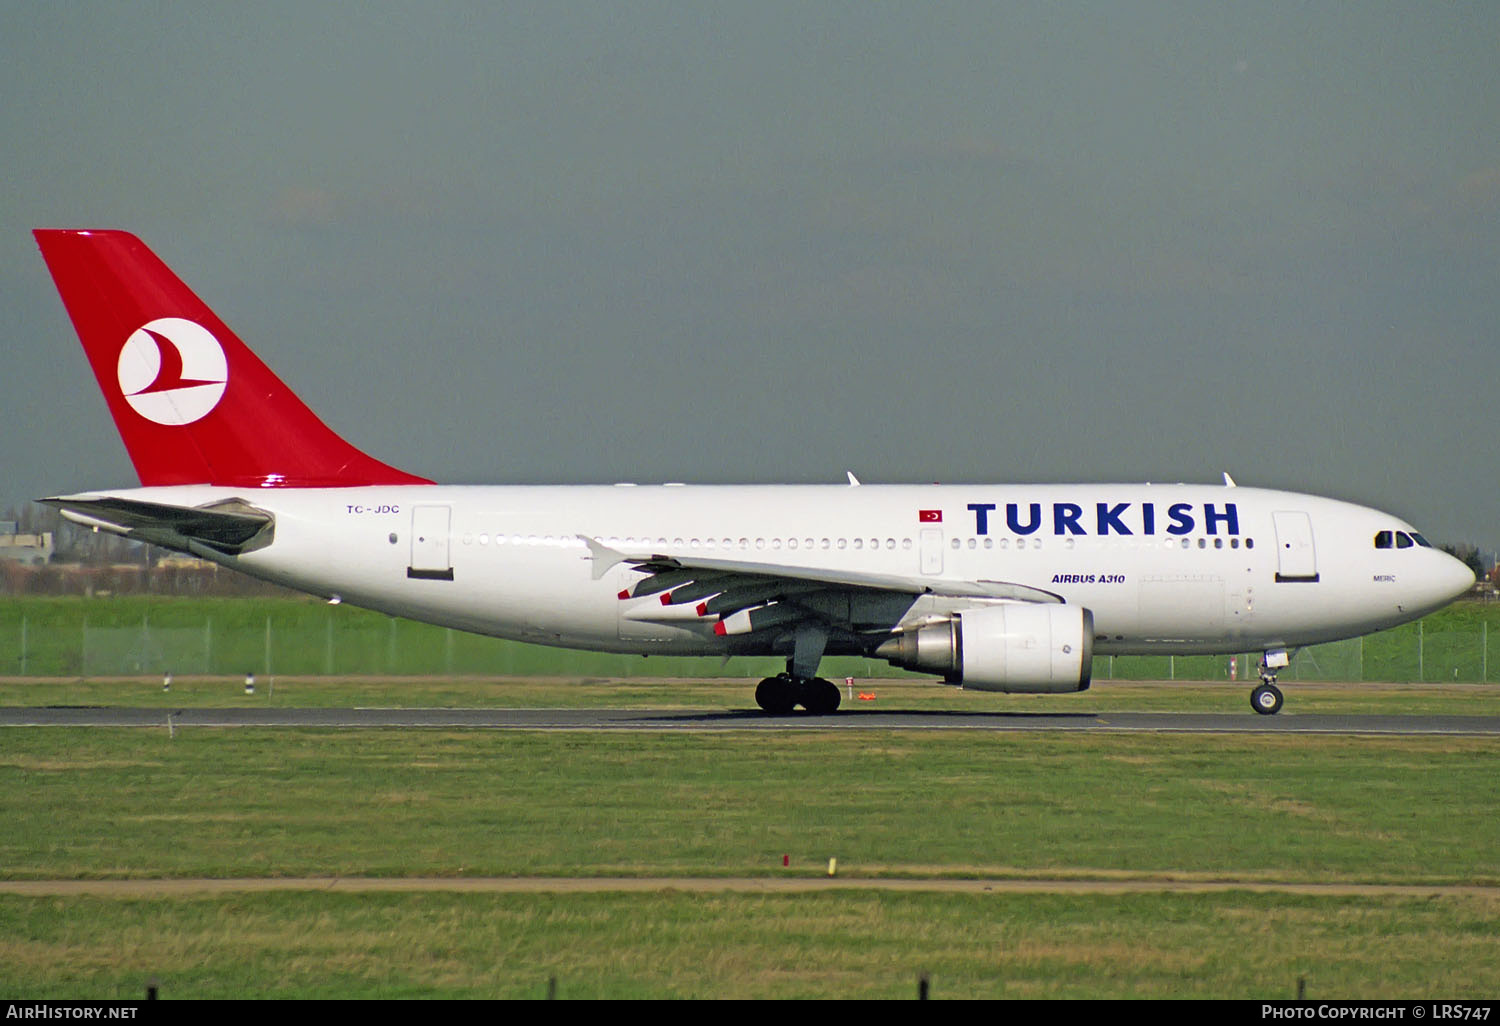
(1015,646)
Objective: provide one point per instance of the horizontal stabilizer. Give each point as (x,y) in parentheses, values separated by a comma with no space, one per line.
(227,528)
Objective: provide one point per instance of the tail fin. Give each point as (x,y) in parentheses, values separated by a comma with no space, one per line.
(193,404)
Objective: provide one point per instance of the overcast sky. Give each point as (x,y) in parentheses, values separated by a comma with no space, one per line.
(760,242)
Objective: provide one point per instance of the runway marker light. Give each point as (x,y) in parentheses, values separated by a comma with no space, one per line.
(833,866)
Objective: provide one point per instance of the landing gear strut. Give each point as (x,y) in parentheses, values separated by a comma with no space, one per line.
(778,695)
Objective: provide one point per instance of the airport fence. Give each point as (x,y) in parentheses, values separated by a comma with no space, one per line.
(281,637)
(1407,654)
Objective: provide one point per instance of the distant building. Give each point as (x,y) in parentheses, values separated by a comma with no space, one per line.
(26,549)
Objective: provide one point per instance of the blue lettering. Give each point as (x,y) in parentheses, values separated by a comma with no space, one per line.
(1182,518)
(1065,515)
(981,516)
(1014,522)
(1212,518)
(1148,518)
(1110,516)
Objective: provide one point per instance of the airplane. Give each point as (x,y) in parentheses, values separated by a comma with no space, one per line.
(1009,588)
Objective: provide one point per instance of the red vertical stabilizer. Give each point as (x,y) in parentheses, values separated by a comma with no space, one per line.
(193,404)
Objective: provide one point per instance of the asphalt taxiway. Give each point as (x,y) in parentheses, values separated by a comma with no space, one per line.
(745,719)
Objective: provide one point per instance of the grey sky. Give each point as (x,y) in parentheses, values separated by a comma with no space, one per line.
(769,242)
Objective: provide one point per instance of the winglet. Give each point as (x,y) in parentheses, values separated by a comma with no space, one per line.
(853,481)
(1229,481)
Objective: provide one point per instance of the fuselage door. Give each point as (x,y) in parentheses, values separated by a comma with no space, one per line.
(429,544)
(1295,558)
(932,550)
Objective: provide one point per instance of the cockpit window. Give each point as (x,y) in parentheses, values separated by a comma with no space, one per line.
(1400,540)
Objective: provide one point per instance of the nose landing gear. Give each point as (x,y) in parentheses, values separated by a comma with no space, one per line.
(1266,698)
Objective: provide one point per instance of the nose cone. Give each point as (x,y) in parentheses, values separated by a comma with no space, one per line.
(1445,579)
(1461,578)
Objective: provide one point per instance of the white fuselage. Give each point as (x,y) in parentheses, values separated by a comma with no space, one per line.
(1163,568)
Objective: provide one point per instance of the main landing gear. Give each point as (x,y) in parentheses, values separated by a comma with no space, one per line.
(778,695)
(800,684)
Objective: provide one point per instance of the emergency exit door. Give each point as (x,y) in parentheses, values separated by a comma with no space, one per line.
(1296,559)
(429,544)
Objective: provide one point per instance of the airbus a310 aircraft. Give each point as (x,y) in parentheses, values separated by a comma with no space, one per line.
(998,587)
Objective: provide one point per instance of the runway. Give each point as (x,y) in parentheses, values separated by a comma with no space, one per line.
(745,719)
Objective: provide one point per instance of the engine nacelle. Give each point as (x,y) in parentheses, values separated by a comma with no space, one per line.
(1018,647)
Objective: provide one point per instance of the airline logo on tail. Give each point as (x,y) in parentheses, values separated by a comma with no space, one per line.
(172,371)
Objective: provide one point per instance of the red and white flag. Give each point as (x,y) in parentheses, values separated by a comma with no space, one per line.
(930,516)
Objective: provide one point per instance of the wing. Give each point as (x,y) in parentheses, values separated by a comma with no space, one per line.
(226,528)
(745,596)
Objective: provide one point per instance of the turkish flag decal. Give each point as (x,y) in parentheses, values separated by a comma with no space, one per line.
(930,516)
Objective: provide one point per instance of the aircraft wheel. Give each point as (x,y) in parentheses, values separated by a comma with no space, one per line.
(820,697)
(1266,699)
(774,695)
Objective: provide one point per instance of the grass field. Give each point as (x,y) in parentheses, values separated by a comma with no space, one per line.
(672,945)
(101,805)
(90,804)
